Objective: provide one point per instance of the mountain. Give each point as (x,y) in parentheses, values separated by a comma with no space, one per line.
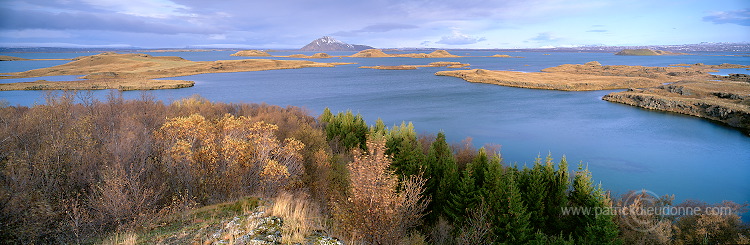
(327,43)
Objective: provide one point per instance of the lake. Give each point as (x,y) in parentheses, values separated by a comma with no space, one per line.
(626,148)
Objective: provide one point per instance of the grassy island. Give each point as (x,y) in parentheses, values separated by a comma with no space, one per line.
(137,71)
(413,67)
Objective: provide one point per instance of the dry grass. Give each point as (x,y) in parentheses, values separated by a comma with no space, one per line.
(301,217)
(128,238)
(95,84)
(253,53)
(413,67)
(552,81)
(377,53)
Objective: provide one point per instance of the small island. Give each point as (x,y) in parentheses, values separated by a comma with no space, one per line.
(414,67)
(138,71)
(10,58)
(646,52)
(377,53)
(251,53)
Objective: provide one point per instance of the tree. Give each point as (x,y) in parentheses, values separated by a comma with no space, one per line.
(511,222)
(441,175)
(375,211)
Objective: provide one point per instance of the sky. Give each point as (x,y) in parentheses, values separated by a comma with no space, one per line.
(290,24)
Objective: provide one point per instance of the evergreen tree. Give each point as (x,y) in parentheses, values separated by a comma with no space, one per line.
(591,228)
(464,197)
(441,175)
(346,129)
(511,223)
(403,146)
(557,197)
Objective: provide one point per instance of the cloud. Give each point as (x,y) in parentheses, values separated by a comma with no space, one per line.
(458,38)
(30,19)
(597,31)
(376,28)
(739,17)
(144,8)
(544,37)
(35,33)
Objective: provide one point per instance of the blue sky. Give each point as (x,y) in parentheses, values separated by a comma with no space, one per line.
(378,23)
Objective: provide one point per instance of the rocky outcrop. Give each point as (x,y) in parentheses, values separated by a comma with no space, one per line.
(726,102)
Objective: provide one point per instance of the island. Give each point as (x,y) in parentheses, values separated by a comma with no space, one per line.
(646,52)
(10,58)
(681,88)
(314,56)
(413,67)
(251,53)
(138,71)
(377,53)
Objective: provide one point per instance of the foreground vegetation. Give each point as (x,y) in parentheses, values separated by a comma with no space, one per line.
(145,172)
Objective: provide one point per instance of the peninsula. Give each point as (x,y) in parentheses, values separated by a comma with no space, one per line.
(681,88)
(137,71)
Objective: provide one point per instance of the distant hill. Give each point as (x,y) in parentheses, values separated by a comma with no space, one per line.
(327,43)
(646,52)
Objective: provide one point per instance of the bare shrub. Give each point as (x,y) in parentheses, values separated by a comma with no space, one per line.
(375,212)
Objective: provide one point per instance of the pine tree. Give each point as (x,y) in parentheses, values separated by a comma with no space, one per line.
(464,197)
(557,197)
(511,223)
(441,175)
(403,146)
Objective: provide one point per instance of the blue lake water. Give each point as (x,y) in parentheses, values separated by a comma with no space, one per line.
(626,148)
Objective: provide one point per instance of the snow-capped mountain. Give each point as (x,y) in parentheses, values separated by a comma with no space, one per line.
(327,43)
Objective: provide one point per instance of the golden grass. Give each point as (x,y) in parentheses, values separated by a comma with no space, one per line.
(96,84)
(254,53)
(128,238)
(301,217)
(413,67)
(552,81)
(377,53)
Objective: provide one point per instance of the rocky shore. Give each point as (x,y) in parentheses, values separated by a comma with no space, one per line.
(724,101)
